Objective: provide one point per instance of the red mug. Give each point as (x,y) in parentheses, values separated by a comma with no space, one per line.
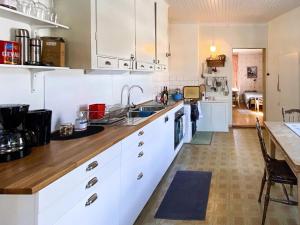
(96,111)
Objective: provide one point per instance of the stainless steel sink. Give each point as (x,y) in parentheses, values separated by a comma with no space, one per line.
(149,108)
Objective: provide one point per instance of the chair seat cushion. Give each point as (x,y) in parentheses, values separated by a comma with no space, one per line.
(280,172)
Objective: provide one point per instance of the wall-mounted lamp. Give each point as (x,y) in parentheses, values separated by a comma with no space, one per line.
(213,48)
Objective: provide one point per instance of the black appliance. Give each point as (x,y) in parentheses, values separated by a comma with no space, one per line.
(12,137)
(37,124)
(179,127)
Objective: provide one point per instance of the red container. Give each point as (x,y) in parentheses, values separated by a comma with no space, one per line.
(9,52)
(96,111)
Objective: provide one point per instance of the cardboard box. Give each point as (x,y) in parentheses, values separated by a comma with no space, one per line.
(53,51)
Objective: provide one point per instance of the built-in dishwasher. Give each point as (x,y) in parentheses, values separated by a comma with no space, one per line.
(179,128)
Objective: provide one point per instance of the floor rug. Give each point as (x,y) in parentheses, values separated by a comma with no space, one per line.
(187,197)
(202,138)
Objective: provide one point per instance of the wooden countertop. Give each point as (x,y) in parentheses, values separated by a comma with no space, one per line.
(48,163)
(287,140)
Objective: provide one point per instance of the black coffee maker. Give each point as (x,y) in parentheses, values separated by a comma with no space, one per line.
(12,136)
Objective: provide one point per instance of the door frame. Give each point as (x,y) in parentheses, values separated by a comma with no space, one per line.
(264,73)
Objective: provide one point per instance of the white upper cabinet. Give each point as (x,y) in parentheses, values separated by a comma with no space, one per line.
(145,31)
(115,28)
(162,40)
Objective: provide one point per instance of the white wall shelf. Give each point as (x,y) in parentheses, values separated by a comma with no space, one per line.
(31,20)
(34,70)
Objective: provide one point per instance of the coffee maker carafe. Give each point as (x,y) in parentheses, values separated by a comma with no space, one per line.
(12,138)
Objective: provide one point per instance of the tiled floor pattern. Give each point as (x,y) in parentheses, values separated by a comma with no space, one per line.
(236,162)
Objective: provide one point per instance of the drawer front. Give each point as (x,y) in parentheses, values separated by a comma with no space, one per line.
(125,64)
(96,182)
(59,188)
(101,206)
(158,67)
(108,63)
(145,66)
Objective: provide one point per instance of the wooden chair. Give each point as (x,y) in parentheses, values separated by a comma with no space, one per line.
(291,115)
(276,171)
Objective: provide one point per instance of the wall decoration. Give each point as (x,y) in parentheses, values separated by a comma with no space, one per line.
(252,72)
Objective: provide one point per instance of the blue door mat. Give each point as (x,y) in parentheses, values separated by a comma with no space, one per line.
(187,197)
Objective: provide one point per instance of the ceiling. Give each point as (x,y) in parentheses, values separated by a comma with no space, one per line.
(228,11)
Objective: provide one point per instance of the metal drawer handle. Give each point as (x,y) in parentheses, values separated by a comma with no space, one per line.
(140,176)
(141,144)
(166,119)
(108,63)
(141,154)
(151,67)
(91,200)
(126,64)
(92,166)
(91,183)
(141,133)
(142,66)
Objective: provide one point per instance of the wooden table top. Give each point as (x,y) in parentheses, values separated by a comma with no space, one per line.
(48,163)
(287,139)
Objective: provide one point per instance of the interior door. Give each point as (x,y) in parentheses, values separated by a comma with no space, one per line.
(115,28)
(289,81)
(145,31)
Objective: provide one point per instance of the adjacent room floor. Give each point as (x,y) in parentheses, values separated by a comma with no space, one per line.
(237,165)
(243,117)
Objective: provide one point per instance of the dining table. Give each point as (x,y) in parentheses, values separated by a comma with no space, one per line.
(284,140)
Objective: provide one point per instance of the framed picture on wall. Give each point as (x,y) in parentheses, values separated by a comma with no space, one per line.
(252,71)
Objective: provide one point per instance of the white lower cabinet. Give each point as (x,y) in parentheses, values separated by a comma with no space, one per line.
(215,117)
(110,189)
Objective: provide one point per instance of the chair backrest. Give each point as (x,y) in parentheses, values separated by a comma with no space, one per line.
(266,157)
(291,115)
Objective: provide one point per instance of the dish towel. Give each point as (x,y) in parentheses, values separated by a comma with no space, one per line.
(200,111)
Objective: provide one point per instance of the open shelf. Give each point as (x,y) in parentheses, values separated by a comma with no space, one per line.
(31,20)
(38,68)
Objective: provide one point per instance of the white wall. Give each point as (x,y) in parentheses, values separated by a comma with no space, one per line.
(249,84)
(226,37)
(283,38)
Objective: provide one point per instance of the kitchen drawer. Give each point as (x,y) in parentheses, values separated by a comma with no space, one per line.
(109,63)
(145,66)
(158,67)
(101,206)
(125,64)
(49,195)
(91,185)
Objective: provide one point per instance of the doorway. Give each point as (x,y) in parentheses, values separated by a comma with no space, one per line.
(248,87)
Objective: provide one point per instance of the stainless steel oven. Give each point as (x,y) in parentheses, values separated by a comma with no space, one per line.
(179,127)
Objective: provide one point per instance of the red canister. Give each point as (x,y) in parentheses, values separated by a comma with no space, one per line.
(96,111)
(9,52)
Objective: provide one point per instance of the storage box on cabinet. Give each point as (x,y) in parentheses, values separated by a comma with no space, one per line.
(78,177)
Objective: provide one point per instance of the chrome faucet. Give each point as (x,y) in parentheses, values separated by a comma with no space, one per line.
(122,92)
(129,93)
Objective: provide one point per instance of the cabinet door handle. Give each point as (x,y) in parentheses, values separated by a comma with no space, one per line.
(140,176)
(151,67)
(91,200)
(166,119)
(141,154)
(126,64)
(108,63)
(142,66)
(91,183)
(141,144)
(92,166)
(141,133)
(158,61)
